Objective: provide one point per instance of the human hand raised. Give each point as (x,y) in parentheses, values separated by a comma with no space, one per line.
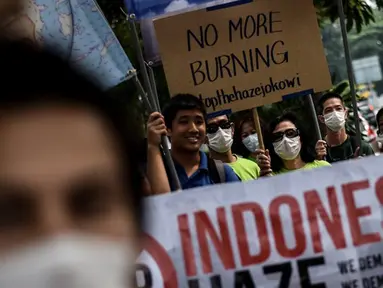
(264,162)
(156,128)
(320,149)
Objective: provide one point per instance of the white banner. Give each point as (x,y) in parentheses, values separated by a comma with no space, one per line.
(318,228)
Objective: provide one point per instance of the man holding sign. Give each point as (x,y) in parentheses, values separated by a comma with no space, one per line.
(338,145)
(184,121)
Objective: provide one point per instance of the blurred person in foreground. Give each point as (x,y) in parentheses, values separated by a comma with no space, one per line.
(337,145)
(379,122)
(70,209)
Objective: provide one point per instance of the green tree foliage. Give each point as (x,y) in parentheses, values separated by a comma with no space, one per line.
(114,12)
(333,45)
(368,42)
(118,21)
(357,12)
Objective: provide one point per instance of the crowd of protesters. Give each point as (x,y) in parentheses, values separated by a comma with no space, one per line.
(73,168)
(288,145)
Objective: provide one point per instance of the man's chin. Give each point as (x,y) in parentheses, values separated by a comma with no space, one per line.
(192,147)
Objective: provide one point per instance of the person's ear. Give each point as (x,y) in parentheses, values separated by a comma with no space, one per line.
(232,129)
(346,111)
(321,119)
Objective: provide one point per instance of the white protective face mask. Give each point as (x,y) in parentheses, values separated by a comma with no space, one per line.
(220,141)
(288,148)
(335,120)
(69,262)
(251,142)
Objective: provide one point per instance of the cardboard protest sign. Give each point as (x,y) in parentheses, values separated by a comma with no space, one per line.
(285,231)
(244,56)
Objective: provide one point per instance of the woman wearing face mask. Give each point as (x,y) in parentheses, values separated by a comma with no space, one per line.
(246,139)
(290,147)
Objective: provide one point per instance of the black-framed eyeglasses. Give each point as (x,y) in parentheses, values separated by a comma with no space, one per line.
(290,133)
(213,127)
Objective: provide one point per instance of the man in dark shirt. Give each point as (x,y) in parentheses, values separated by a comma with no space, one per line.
(338,145)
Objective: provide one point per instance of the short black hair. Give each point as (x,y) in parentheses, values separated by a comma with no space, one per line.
(34,76)
(327,96)
(181,102)
(307,150)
